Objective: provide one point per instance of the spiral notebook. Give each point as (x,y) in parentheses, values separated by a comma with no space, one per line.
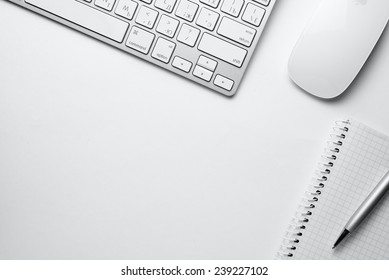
(354,161)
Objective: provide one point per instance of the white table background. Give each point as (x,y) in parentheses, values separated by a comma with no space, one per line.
(104,156)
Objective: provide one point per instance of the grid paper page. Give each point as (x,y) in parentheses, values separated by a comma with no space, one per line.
(362,162)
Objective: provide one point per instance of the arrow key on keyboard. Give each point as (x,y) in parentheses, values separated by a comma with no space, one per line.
(182,64)
(207,63)
(223,82)
(202,73)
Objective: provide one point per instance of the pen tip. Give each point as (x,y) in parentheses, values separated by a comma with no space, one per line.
(341,237)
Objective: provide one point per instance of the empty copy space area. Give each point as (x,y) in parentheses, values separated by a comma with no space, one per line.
(106,156)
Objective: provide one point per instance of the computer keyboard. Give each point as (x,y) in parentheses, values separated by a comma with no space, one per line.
(207,41)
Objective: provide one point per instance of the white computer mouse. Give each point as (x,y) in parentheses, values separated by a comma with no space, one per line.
(336,44)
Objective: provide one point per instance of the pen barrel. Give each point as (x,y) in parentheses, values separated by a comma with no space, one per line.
(368,205)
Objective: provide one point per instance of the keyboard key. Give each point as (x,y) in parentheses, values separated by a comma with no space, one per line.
(232,7)
(223,82)
(212,3)
(146,17)
(187,10)
(253,14)
(166,5)
(163,50)
(202,73)
(167,26)
(222,49)
(236,31)
(126,8)
(207,19)
(188,35)
(263,2)
(85,16)
(207,63)
(105,4)
(147,1)
(182,64)
(140,40)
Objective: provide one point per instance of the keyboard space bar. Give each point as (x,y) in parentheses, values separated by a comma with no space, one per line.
(84,16)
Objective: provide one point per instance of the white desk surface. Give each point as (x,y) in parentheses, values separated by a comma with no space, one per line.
(104,156)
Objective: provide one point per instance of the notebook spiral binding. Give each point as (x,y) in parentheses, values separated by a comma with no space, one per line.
(299,223)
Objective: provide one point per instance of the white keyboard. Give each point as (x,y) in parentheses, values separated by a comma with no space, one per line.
(207,41)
